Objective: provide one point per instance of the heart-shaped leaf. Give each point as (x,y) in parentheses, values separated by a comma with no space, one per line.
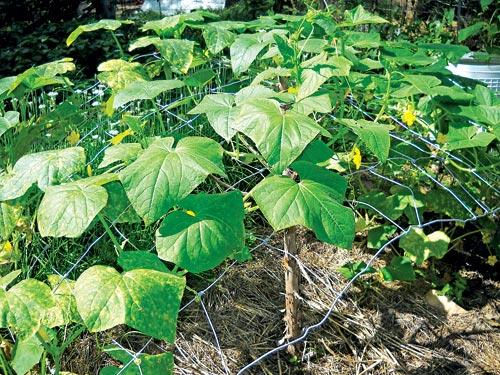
(163,174)
(286,203)
(279,136)
(25,306)
(207,230)
(67,210)
(145,300)
(419,246)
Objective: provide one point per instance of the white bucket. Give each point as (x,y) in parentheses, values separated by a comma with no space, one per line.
(480,71)
(170,7)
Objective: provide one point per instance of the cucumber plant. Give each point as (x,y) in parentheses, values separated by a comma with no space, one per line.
(310,102)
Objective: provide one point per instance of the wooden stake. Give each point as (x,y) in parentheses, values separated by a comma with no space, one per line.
(292,282)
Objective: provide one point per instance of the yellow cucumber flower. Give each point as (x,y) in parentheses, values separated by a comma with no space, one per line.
(356,157)
(409,116)
(73,138)
(442,138)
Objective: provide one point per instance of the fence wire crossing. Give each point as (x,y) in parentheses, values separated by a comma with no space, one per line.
(332,290)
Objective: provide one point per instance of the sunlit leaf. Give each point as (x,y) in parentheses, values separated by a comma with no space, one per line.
(201,239)
(164,174)
(286,203)
(145,300)
(44,168)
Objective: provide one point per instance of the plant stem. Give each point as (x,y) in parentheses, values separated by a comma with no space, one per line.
(43,363)
(292,282)
(118,246)
(158,114)
(386,97)
(118,45)
(5,365)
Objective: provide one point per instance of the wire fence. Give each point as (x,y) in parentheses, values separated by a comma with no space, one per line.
(332,289)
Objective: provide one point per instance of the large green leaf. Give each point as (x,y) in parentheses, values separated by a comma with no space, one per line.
(286,203)
(9,120)
(144,41)
(43,168)
(379,235)
(200,78)
(43,75)
(176,23)
(143,364)
(254,92)
(359,16)
(207,230)
(178,52)
(310,171)
(5,84)
(244,51)
(271,73)
(164,174)
(486,114)
(217,38)
(145,90)
(317,152)
(423,83)
(145,300)
(374,135)
(279,136)
(100,25)
(119,73)
(67,210)
(220,112)
(359,39)
(485,96)
(464,136)
(25,306)
(164,24)
(318,70)
(418,246)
